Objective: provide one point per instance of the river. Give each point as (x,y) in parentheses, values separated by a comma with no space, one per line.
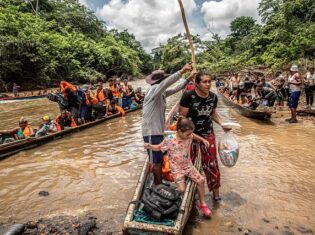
(271,189)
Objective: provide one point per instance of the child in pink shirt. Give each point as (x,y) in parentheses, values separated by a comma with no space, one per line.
(178,149)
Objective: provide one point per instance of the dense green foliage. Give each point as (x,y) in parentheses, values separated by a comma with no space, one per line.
(287,35)
(62,40)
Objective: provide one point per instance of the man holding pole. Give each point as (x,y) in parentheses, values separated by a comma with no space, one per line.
(154,106)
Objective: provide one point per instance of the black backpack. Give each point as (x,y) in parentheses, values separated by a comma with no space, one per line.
(161,202)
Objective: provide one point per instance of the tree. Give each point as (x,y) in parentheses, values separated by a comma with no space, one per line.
(241,26)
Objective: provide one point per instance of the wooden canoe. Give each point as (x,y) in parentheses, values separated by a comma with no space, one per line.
(22,97)
(255,114)
(9,149)
(132,227)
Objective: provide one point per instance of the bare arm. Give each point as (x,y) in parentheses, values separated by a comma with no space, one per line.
(200,139)
(11,131)
(297,80)
(216,117)
(183,111)
(272,86)
(32,132)
(152,147)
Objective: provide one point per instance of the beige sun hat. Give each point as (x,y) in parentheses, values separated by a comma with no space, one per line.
(294,68)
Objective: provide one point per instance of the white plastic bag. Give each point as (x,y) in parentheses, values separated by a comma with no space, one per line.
(228,149)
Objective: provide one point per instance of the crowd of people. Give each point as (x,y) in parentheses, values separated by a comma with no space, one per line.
(79,105)
(252,91)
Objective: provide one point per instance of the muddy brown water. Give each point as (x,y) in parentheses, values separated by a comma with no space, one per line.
(271,190)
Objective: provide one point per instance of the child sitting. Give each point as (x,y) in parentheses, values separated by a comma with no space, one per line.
(178,149)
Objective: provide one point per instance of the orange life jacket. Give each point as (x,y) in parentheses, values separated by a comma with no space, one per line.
(27,131)
(73,124)
(166,169)
(64,85)
(173,126)
(57,124)
(115,91)
(100,96)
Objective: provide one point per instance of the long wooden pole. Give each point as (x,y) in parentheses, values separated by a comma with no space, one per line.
(191,45)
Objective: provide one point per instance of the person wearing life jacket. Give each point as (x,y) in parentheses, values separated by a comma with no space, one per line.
(82,93)
(90,100)
(65,120)
(70,93)
(23,131)
(116,89)
(47,126)
(113,108)
(100,94)
(64,85)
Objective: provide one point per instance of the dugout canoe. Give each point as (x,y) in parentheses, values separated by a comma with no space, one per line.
(9,149)
(22,98)
(305,112)
(255,114)
(133,227)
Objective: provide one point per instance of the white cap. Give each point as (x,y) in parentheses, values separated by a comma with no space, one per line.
(294,68)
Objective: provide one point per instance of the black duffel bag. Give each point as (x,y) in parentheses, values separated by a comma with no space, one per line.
(161,202)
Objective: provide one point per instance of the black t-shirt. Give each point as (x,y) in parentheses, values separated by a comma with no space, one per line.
(200,110)
(248,85)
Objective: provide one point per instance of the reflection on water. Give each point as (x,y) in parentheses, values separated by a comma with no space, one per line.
(271,186)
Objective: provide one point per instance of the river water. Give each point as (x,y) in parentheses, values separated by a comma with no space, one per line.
(271,190)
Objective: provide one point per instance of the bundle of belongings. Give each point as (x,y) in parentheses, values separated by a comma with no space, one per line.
(161,202)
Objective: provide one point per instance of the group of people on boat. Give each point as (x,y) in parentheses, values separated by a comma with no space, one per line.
(79,105)
(86,105)
(194,127)
(253,92)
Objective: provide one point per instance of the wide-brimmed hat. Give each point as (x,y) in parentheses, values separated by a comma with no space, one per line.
(156,76)
(294,68)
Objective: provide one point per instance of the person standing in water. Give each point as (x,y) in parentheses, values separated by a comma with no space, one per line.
(200,105)
(309,82)
(295,83)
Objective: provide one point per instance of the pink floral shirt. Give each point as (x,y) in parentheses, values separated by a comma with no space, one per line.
(179,154)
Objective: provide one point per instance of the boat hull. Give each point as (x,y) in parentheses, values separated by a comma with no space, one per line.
(22,98)
(9,149)
(259,115)
(132,227)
